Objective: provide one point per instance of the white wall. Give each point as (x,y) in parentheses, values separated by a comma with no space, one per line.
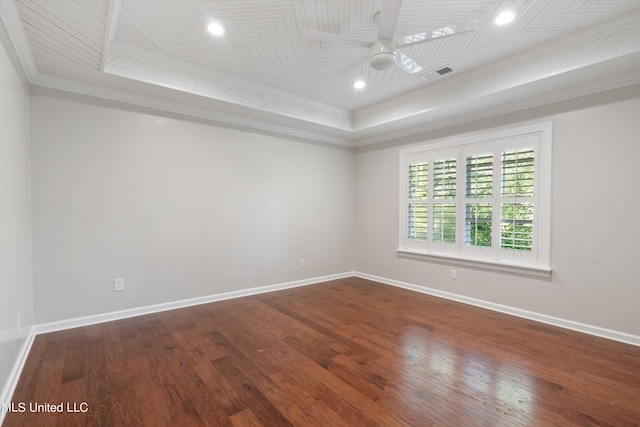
(16,284)
(178,208)
(595,206)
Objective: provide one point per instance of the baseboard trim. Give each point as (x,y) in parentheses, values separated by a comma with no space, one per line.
(14,375)
(156,308)
(543,318)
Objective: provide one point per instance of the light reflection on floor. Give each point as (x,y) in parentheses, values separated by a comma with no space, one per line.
(471,383)
(516,391)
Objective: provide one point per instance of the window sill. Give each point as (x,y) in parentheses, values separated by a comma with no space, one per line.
(492,265)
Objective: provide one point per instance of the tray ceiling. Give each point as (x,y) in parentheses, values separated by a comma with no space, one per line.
(263,74)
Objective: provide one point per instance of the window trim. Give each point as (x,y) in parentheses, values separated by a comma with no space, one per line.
(541,266)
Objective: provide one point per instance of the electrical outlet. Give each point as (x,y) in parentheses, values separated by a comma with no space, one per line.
(453,274)
(118,285)
(301,262)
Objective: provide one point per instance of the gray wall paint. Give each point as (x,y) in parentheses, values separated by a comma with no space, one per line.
(595,205)
(16,283)
(178,208)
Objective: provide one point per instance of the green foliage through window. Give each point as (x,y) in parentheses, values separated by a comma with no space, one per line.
(480,176)
(444,222)
(418,181)
(478,224)
(417,229)
(517,173)
(516,226)
(444,179)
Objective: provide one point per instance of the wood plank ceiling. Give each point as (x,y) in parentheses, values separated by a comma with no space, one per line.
(264,75)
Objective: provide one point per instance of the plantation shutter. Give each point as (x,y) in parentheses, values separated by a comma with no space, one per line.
(479,188)
(479,202)
(444,203)
(517,212)
(418,191)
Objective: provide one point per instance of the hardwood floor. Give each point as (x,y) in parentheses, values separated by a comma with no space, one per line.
(343,353)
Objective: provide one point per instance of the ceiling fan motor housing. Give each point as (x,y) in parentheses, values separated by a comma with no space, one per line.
(383,54)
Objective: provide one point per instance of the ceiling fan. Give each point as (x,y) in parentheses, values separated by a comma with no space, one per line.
(385,52)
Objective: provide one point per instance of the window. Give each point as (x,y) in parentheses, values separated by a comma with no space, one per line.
(481,202)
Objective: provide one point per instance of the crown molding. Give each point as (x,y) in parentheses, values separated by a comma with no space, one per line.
(218,118)
(536,94)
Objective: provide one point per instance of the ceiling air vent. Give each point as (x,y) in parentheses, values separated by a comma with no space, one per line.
(434,74)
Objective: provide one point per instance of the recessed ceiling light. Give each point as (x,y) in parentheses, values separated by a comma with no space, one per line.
(216,29)
(505,17)
(359,84)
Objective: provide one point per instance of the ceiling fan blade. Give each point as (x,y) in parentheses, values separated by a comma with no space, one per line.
(439,33)
(344,70)
(406,62)
(388,18)
(332,38)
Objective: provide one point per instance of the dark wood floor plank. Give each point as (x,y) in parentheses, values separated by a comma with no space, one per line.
(74,356)
(365,410)
(148,391)
(316,330)
(323,405)
(250,395)
(349,352)
(289,409)
(246,418)
(97,384)
(74,399)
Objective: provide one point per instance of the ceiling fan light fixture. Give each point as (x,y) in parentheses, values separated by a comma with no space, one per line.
(383,54)
(382,61)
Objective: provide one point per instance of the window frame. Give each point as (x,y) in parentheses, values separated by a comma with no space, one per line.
(536,262)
